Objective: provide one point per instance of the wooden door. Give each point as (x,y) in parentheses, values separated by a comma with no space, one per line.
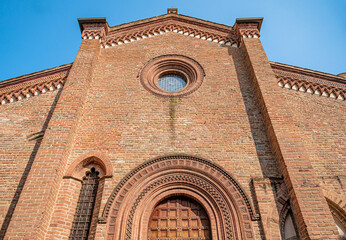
(179,218)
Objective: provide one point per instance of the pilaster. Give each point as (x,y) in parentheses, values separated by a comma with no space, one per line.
(309,206)
(33,212)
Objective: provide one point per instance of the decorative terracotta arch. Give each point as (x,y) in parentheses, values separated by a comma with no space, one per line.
(92,159)
(336,205)
(334,197)
(128,209)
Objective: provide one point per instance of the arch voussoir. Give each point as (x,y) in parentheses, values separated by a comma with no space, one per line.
(209,184)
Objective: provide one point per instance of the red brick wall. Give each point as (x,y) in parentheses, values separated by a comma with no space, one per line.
(322,125)
(220,121)
(305,194)
(40,194)
(116,116)
(19,123)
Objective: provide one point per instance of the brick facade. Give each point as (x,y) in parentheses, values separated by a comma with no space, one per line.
(242,143)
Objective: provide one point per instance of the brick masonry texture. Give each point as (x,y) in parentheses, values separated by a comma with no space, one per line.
(21,123)
(300,178)
(321,124)
(281,146)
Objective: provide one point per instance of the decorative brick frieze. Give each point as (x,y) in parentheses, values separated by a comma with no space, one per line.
(248,27)
(31,91)
(223,39)
(307,81)
(97,28)
(249,33)
(93,33)
(33,84)
(311,87)
(307,74)
(93,28)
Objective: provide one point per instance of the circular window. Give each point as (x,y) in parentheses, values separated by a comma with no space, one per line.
(172,75)
(171,82)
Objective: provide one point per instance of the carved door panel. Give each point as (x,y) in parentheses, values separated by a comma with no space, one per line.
(179,218)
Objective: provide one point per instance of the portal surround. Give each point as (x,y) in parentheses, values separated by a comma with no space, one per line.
(128,210)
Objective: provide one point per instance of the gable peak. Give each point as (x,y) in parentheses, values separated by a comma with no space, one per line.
(172,10)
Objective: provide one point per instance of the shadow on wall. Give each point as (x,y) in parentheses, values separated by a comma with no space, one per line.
(258,129)
(34,137)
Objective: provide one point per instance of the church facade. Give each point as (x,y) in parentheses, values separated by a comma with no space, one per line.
(173,127)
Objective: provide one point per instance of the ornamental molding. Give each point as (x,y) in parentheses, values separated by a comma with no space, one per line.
(312,88)
(192,71)
(93,33)
(250,33)
(307,81)
(93,28)
(248,28)
(34,84)
(178,173)
(227,39)
(85,162)
(307,74)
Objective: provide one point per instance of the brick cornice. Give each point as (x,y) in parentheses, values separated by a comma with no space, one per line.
(308,81)
(97,28)
(307,74)
(225,38)
(248,27)
(177,18)
(33,84)
(93,28)
(35,75)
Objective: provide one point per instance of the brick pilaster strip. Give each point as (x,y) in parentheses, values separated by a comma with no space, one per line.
(310,208)
(36,204)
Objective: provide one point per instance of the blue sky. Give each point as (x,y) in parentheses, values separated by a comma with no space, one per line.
(41,34)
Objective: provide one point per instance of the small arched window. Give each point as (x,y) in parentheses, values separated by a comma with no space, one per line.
(85,206)
(288,225)
(289,228)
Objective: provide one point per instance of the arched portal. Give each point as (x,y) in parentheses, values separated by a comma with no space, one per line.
(129,210)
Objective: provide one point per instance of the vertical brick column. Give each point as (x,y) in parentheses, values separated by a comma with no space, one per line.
(309,206)
(34,210)
(265,197)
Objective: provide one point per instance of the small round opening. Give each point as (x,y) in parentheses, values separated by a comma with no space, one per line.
(171,82)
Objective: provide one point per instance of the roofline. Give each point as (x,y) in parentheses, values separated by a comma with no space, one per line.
(30,76)
(308,72)
(126,26)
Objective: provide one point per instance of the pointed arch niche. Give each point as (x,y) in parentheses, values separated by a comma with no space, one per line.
(90,160)
(130,206)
